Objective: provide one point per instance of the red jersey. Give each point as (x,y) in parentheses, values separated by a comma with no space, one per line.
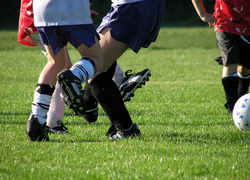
(26,23)
(233,16)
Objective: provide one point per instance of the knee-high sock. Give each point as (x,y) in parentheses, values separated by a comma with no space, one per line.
(230,84)
(108,96)
(84,69)
(89,99)
(41,102)
(57,108)
(243,86)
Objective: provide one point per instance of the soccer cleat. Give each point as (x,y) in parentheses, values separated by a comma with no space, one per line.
(116,134)
(91,115)
(36,131)
(132,82)
(111,131)
(72,94)
(230,110)
(60,129)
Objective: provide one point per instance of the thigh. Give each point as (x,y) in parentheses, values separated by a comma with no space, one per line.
(229,46)
(94,52)
(111,48)
(52,37)
(135,24)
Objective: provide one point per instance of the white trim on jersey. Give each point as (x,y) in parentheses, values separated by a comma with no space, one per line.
(244,39)
(119,2)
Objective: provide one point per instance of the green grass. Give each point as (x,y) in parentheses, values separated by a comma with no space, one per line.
(186,132)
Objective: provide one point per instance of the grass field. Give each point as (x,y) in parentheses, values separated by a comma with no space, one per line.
(186,132)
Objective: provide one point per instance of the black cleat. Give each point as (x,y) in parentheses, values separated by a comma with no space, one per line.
(132,82)
(36,131)
(60,129)
(116,134)
(72,94)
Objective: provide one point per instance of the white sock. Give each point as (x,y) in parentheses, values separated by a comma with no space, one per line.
(118,76)
(56,109)
(83,69)
(40,106)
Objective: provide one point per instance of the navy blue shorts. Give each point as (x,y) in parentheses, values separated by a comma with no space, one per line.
(135,24)
(234,50)
(58,36)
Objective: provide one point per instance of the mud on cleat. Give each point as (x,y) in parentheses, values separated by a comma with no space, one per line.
(131,82)
(36,131)
(72,94)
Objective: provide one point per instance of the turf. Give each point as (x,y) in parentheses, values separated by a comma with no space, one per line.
(186,132)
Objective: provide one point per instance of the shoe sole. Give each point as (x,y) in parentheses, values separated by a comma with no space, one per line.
(51,130)
(74,100)
(140,83)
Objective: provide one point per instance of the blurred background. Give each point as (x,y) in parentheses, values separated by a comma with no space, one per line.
(178,12)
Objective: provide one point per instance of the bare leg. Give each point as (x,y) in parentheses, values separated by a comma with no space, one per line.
(57,106)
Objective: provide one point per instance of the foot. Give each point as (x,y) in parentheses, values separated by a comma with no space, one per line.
(36,131)
(72,94)
(115,134)
(60,129)
(91,115)
(132,82)
(229,111)
(229,108)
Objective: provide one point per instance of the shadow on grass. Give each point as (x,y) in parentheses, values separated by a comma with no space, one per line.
(77,141)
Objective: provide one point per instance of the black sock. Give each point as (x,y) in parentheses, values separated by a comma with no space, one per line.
(111,70)
(243,87)
(45,89)
(108,96)
(230,84)
(89,99)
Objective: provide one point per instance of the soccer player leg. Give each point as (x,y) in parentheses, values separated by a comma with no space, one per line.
(57,107)
(230,83)
(108,96)
(244,66)
(91,103)
(36,129)
(36,126)
(243,81)
(71,80)
(84,69)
